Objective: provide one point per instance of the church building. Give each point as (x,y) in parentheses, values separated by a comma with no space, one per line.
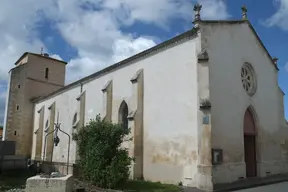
(204,107)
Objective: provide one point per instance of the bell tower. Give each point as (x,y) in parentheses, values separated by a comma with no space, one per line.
(34,75)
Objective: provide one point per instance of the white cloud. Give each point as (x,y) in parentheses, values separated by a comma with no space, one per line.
(214,9)
(92,27)
(125,47)
(279,18)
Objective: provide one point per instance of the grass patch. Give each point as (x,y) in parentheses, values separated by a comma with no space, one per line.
(146,186)
(13,179)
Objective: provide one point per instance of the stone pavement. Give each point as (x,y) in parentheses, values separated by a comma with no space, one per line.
(275,182)
(279,187)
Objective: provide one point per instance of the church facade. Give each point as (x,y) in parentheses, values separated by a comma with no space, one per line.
(204,108)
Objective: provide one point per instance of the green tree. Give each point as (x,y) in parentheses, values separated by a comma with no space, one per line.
(103,161)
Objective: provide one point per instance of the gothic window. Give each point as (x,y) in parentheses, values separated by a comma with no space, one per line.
(123,114)
(74,122)
(248,79)
(75,118)
(46,126)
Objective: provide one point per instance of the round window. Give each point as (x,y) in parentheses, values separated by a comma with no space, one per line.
(248,79)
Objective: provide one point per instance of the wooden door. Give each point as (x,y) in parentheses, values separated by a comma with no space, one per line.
(250,155)
(250,144)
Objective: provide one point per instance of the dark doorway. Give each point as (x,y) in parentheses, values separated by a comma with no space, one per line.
(250,155)
(250,144)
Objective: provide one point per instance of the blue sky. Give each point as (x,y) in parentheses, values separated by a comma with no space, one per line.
(92,34)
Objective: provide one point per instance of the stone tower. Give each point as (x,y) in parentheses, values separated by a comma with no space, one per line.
(34,75)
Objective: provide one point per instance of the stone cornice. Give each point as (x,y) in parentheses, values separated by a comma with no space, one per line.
(39,111)
(135,77)
(203,56)
(50,107)
(131,115)
(79,97)
(104,89)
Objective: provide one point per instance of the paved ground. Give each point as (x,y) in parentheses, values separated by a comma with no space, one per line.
(279,187)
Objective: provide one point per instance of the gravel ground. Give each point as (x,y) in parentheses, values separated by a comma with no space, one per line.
(12,190)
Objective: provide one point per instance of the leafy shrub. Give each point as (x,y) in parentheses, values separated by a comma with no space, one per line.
(102,161)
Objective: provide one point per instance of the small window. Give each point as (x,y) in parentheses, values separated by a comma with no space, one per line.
(15,132)
(46,73)
(17,107)
(19,86)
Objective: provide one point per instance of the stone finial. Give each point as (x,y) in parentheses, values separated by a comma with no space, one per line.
(275,60)
(244,12)
(197,9)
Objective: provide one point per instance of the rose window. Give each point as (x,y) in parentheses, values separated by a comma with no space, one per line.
(248,79)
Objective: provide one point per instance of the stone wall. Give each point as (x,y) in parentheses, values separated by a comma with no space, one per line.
(27,81)
(13,163)
(39,184)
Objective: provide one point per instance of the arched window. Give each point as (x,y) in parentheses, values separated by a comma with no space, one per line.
(46,125)
(75,121)
(123,114)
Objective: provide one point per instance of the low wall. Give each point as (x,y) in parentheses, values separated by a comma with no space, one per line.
(13,163)
(7,148)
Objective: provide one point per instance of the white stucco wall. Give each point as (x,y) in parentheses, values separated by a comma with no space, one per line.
(229,47)
(170,111)
(66,106)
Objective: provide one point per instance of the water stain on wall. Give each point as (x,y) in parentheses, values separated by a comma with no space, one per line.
(179,151)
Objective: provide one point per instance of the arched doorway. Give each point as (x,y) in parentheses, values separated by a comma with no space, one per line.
(123,114)
(250,144)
